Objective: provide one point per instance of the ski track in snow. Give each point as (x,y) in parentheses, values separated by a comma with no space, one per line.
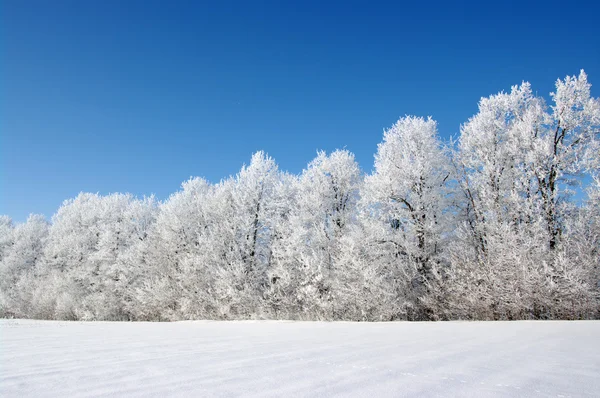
(311,359)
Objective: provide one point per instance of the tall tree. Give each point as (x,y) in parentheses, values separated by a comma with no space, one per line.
(244,213)
(408,198)
(173,262)
(516,162)
(308,255)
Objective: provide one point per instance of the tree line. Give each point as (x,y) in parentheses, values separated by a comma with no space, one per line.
(503,223)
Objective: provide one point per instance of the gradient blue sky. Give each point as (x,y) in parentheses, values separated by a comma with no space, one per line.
(137,96)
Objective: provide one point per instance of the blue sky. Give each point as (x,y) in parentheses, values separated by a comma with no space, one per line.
(137,96)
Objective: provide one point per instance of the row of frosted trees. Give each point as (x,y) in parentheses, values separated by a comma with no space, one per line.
(502,224)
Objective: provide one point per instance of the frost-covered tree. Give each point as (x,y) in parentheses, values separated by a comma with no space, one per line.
(494,226)
(516,161)
(407,200)
(497,209)
(85,271)
(116,256)
(307,258)
(561,150)
(210,249)
(173,260)
(245,213)
(278,295)
(18,262)
(492,162)
(581,257)
(6,237)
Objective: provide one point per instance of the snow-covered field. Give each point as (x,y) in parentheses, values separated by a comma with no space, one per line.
(278,359)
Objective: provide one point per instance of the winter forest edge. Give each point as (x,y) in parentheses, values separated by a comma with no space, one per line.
(488,227)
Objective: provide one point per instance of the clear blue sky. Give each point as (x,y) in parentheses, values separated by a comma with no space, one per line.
(137,96)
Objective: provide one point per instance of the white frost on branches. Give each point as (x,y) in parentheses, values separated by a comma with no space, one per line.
(502,224)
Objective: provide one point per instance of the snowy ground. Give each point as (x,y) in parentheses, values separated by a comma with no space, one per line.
(279,359)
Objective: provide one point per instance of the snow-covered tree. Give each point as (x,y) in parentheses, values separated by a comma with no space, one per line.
(494,226)
(18,262)
(85,254)
(114,260)
(561,150)
(307,257)
(245,213)
(516,162)
(174,258)
(407,200)
(6,236)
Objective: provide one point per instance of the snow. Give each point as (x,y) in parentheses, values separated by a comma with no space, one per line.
(276,359)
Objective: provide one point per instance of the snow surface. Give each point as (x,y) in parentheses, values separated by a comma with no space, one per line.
(278,359)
